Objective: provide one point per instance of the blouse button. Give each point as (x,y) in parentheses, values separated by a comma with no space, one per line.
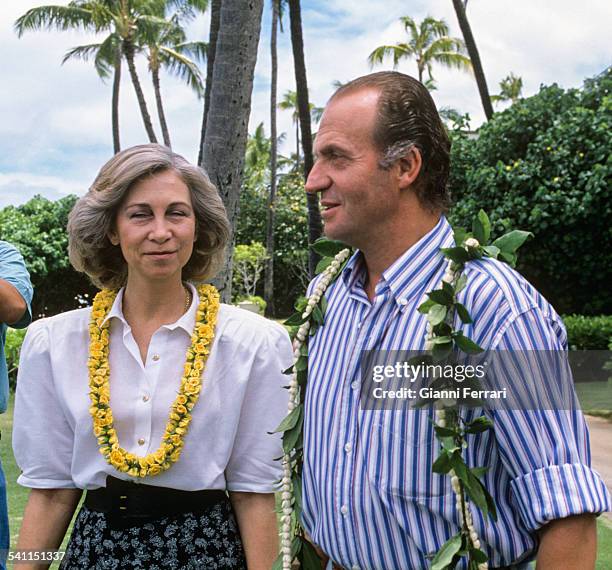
(156,357)
(145,398)
(141,441)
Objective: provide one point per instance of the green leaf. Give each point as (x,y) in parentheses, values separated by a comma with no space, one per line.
(466,344)
(323,305)
(317,315)
(294,320)
(301,364)
(328,247)
(447,551)
(437,314)
(461,283)
(290,420)
(463,313)
(442,463)
(425,306)
(441,351)
(509,258)
(291,437)
(323,264)
(441,297)
(491,251)
(478,556)
(489,500)
(481,228)
(278,563)
(479,425)
(460,234)
(297,490)
(510,242)
(288,370)
(479,471)
(309,558)
(457,254)
(445,432)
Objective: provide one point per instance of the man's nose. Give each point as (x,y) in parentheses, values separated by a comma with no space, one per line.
(317,179)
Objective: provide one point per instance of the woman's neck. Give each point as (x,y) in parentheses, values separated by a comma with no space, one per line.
(162,302)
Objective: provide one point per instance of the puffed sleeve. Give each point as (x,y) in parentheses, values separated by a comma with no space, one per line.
(546,451)
(254,465)
(42,438)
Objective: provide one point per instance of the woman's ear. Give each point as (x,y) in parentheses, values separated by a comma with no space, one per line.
(409,167)
(113,237)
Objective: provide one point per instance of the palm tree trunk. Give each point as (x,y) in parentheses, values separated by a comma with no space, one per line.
(297,140)
(115,102)
(160,107)
(269,267)
(128,51)
(470,44)
(215,17)
(228,113)
(315,226)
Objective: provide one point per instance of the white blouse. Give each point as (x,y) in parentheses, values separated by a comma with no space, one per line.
(227,445)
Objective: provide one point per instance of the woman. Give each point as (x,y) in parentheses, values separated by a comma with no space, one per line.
(155,400)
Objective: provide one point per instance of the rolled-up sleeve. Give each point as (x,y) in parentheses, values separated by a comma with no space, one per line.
(42,438)
(254,465)
(13,270)
(546,451)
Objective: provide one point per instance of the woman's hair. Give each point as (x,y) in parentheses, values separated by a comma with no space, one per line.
(93,216)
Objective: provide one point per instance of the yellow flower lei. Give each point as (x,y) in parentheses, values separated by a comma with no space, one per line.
(172,442)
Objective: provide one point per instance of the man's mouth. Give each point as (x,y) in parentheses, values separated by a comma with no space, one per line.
(328,207)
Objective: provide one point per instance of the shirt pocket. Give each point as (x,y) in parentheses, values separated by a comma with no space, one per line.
(403,449)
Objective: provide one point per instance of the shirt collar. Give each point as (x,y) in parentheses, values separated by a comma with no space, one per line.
(186,321)
(412,271)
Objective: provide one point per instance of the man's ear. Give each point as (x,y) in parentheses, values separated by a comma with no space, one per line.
(409,167)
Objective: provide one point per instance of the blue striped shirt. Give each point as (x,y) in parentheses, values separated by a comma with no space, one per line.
(370,498)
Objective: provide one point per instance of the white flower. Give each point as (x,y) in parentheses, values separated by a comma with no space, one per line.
(448,278)
(290,406)
(472,242)
(476,543)
(429,345)
(473,536)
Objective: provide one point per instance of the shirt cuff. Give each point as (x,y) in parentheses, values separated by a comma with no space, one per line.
(559,491)
(46,483)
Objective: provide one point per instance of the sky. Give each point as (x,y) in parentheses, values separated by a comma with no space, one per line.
(55,126)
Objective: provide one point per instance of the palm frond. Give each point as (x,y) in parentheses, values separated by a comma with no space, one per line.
(453,60)
(398,52)
(410,26)
(439,28)
(85,53)
(194,50)
(55,18)
(183,67)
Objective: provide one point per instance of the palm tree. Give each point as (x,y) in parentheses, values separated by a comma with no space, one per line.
(107,56)
(290,103)
(315,226)
(269,262)
(510,87)
(126,19)
(428,43)
(229,109)
(166,46)
(472,50)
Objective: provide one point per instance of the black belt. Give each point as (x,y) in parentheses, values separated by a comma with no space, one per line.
(130,504)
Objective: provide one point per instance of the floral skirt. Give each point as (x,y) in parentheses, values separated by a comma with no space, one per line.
(190,541)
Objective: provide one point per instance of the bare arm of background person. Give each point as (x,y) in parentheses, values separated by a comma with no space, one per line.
(12,305)
(258,528)
(568,544)
(46,517)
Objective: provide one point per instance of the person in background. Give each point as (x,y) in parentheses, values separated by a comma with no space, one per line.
(157,400)
(15,299)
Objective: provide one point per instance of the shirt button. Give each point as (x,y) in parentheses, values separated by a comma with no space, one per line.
(145,398)
(156,357)
(355,567)
(141,441)
(403,302)
(344,509)
(355,385)
(348,447)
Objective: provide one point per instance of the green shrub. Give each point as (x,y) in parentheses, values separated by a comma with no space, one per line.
(544,165)
(588,333)
(259,301)
(12,348)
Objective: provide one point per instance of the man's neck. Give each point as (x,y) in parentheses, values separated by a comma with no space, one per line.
(380,254)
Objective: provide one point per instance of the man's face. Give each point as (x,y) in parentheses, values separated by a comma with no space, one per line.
(358,198)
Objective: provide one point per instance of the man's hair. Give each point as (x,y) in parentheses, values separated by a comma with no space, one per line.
(407,117)
(94,216)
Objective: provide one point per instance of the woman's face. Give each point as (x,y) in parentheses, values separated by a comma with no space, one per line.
(155,227)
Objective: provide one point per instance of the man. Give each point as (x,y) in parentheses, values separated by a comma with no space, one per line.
(15,299)
(370,497)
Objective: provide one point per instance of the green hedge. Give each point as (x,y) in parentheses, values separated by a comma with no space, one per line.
(544,165)
(12,348)
(588,333)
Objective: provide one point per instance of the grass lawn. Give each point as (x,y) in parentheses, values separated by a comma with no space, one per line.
(595,398)
(593,395)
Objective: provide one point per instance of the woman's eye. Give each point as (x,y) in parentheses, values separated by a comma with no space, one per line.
(178,213)
(139,215)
